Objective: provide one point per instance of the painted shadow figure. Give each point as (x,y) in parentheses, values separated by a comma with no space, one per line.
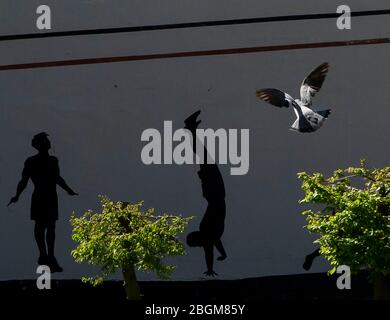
(44,172)
(310,258)
(315,254)
(212,225)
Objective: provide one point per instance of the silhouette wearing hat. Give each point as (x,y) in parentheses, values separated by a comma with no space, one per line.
(212,225)
(44,172)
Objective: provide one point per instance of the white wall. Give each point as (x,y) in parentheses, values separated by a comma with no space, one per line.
(95,126)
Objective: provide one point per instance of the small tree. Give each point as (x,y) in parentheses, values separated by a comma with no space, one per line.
(122,237)
(354,222)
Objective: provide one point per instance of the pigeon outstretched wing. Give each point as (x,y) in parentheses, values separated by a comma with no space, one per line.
(275,97)
(313,83)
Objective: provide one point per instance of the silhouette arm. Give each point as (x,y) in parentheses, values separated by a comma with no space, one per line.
(22,184)
(61,182)
(219,246)
(209,255)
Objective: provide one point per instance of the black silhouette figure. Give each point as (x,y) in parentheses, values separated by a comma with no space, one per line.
(316,253)
(212,225)
(43,170)
(310,258)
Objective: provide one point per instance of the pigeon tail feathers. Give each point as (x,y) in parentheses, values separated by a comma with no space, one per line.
(324,113)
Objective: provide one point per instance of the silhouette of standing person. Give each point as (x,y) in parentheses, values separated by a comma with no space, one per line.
(44,172)
(212,225)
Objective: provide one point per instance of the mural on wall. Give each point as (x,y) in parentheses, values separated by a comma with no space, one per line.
(44,171)
(114,109)
(213,190)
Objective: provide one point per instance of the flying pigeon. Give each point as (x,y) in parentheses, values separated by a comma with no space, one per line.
(308,119)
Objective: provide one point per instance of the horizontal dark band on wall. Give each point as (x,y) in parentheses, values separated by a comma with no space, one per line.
(189,25)
(186,54)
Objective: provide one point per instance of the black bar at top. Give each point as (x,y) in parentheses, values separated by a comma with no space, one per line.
(188,25)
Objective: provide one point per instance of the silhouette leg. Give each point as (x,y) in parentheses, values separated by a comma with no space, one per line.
(310,258)
(50,239)
(218,244)
(39,234)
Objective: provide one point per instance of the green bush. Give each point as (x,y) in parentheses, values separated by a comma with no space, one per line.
(353,223)
(122,236)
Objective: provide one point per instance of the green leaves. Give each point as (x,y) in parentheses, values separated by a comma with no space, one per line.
(123,234)
(354,223)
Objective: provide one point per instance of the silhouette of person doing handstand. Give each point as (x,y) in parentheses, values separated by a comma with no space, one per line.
(43,170)
(212,225)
